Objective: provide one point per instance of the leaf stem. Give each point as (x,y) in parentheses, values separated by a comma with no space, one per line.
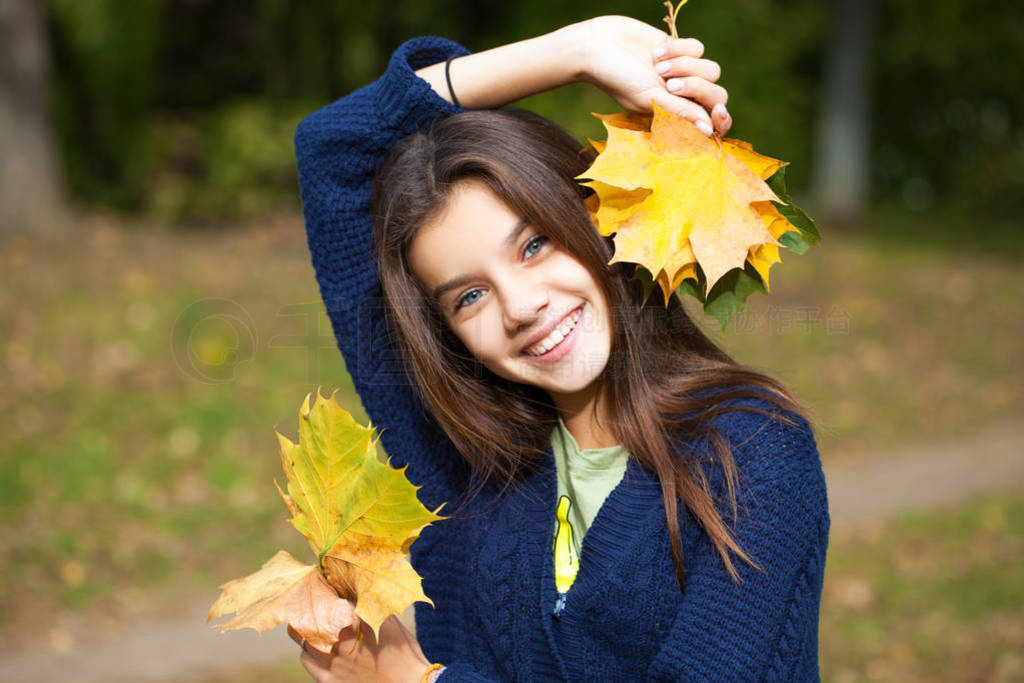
(673,11)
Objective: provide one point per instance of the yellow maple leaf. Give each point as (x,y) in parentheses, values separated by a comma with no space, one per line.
(358,514)
(764,166)
(675,198)
(764,256)
(285,591)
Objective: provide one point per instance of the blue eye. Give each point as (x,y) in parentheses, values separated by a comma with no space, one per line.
(468,298)
(534,245)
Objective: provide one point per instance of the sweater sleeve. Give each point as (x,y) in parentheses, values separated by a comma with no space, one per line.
(338,149)
(766,627)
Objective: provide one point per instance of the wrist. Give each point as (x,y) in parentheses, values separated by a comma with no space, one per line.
(571,47)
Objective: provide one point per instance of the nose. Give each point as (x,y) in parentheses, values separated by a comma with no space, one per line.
(522,302)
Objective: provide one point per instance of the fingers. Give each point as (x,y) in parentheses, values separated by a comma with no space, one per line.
(311,658)
(680,47)
(721,119)
(314,661)
(692,82)
(689,66)
(699,90)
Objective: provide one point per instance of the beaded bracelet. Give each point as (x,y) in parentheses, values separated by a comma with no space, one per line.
(432,673)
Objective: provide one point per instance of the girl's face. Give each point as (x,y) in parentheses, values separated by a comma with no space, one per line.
(529,311)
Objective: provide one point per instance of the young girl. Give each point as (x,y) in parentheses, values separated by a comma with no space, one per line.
(522,382)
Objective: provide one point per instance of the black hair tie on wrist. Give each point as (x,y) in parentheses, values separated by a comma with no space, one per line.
(448,77)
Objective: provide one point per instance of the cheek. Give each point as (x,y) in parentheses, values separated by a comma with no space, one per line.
(576,276)
(480,337)
(584,282)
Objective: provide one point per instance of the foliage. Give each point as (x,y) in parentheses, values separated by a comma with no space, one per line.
(105,58)
(359,516)
(693,209)
(236,161)
(949,110)
(132,81)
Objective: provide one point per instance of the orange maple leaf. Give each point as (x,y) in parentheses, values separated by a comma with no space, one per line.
(285,591)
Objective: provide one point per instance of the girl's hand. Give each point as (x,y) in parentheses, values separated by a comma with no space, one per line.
(395,658)
(636,64)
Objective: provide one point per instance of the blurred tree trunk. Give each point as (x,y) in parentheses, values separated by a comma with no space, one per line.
(31,199)
(841,173)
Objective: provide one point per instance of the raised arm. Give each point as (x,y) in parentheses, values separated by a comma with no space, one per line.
(619,55)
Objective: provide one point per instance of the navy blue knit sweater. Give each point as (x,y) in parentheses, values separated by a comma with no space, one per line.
(490,570)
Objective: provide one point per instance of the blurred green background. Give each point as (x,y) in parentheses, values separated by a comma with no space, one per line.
(159,316)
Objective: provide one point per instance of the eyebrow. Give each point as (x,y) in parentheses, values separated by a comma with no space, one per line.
(457,282)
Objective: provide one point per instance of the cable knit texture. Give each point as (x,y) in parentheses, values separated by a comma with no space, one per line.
(489,569)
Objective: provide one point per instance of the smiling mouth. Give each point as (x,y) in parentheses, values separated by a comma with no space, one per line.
(557,335)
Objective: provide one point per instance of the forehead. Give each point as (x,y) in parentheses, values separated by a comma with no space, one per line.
(462,239)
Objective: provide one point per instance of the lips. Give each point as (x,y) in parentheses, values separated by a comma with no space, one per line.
(550,337)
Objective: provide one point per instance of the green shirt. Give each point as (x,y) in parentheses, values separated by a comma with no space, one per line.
(585,478)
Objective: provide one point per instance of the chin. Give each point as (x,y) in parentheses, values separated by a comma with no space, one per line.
(572,384)
(569,389)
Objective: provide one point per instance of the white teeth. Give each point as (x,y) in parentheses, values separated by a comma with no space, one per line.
(556,336)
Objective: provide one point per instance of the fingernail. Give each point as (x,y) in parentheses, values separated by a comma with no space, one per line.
(662,67)
(722,111)
(705,127)
(659,52)
(674,84)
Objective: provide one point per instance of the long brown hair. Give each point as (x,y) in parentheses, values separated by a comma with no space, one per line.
(664,379)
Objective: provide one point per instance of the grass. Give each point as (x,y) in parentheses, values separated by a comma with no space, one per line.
(888,342)
(935,596)
(145,370)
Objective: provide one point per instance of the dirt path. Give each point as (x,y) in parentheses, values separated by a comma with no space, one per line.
(187,650)
(927,476)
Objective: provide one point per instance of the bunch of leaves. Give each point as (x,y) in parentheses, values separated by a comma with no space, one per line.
(702,216)
(358,514)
